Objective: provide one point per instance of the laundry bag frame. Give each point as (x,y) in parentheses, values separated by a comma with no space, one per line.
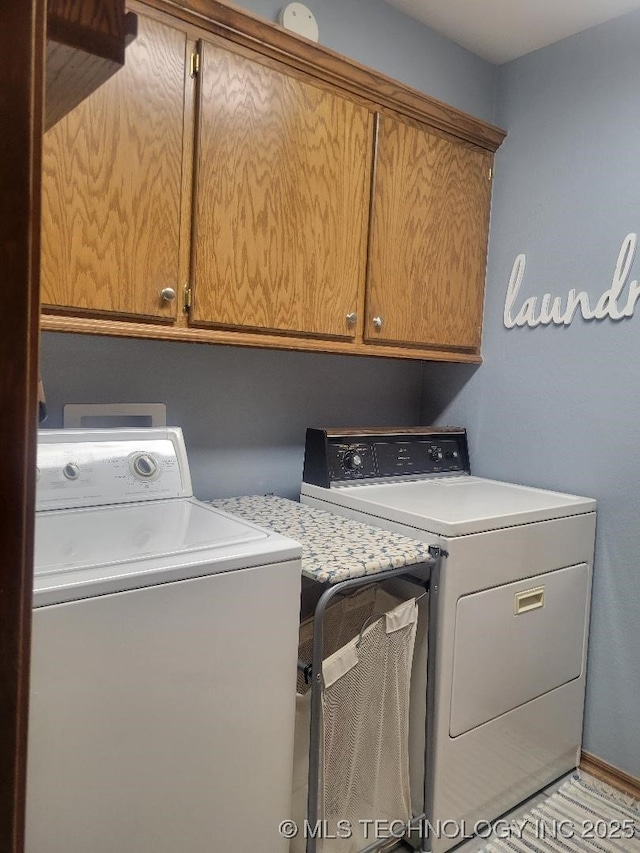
(427,575)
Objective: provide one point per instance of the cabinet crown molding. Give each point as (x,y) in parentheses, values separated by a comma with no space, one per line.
(272,40)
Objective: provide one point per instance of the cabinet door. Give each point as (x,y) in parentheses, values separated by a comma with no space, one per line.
(281,201)
(430,221)
(111,189)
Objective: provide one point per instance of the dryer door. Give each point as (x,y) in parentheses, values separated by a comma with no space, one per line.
(516,642)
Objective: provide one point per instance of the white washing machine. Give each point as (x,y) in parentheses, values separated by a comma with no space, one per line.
(512,610)
(164,657)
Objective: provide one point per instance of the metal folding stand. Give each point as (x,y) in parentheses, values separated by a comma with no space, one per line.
(426,574)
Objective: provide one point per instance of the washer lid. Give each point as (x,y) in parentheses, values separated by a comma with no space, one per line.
(92,551)
(454,505)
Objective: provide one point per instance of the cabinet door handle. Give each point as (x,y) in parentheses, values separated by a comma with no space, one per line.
(167,294)
(378,322)
(352,318)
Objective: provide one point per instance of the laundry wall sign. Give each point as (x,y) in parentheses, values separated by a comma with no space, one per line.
(617,302)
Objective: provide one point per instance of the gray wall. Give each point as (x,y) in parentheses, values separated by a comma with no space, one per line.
(243,411)
(559,406)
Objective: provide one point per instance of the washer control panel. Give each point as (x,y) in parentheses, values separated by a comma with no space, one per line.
(83,468)
(333,457)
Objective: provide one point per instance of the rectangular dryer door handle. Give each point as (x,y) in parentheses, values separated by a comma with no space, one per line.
(529,599)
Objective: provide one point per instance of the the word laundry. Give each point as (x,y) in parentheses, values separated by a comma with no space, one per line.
(611,304)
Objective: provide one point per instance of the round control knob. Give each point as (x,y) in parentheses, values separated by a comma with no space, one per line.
(71,471)
(144,466)
(435,453)
(352,460)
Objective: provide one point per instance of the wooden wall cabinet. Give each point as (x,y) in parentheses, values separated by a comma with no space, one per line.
(280,200)
(287,196)
(112,189)
(429,230)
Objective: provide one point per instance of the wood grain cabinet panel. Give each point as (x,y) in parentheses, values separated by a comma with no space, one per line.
(430,221)
(112,181)
(281,208)
(85,46)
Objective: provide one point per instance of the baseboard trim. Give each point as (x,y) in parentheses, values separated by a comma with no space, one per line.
(606,772)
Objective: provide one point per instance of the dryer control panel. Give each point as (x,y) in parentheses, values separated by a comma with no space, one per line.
(347,456)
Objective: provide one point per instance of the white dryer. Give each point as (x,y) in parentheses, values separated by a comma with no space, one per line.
(512,610)
(164,657)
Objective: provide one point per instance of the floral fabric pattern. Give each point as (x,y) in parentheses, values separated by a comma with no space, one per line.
(334,548)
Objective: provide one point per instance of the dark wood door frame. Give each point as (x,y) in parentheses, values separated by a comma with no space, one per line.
(21,72)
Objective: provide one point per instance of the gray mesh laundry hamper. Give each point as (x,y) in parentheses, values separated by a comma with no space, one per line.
(364,767)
